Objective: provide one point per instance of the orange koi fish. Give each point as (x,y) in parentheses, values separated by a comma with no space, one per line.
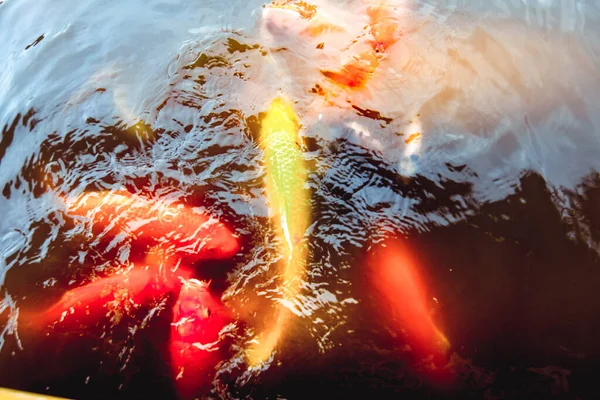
(176,236)
(192,236)
(109,297)
(402,296)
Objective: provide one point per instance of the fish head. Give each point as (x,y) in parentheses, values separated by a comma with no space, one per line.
(195,345)
(280,118)
(198,315)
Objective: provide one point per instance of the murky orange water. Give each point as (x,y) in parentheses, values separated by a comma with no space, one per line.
(469,133)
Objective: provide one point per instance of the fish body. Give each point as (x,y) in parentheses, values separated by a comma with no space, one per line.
(198,319)
(191,236)
(109,297)
(285,171)
(401,296)
(289,203)
(174,237)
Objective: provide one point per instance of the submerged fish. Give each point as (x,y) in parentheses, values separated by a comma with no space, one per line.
(191,236)
(174,237)
(198,319)
(402,301)
(110,297)
(289,203)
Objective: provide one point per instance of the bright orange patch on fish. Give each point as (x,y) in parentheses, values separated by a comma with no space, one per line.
(383,28)
(319,26)
(402,297)
(356,73)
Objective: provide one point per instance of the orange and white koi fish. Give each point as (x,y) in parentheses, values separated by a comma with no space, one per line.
(365,55)
(361,52)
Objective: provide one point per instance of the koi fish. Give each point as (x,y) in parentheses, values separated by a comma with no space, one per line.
(289,202)
(383,32)
(402,297)
(193,236)
(198,319)
(361,53)
(110,297)
(185,237)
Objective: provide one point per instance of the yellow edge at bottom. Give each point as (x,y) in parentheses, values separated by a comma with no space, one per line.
(9,394)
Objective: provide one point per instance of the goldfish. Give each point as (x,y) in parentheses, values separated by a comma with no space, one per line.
(401,294)
(289,202)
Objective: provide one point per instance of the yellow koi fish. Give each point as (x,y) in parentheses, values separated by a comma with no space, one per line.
(289,201)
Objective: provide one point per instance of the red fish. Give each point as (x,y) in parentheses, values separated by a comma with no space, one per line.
(191,236)
(402,296)
(198,318)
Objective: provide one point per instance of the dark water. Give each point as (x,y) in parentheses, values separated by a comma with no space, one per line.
(499,195)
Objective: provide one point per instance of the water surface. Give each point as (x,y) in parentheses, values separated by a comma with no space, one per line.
(476,142)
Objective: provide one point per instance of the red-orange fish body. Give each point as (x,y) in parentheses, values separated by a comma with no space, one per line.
(191,236)
(198,318)
(108,298)
(173,237)
(402,296)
